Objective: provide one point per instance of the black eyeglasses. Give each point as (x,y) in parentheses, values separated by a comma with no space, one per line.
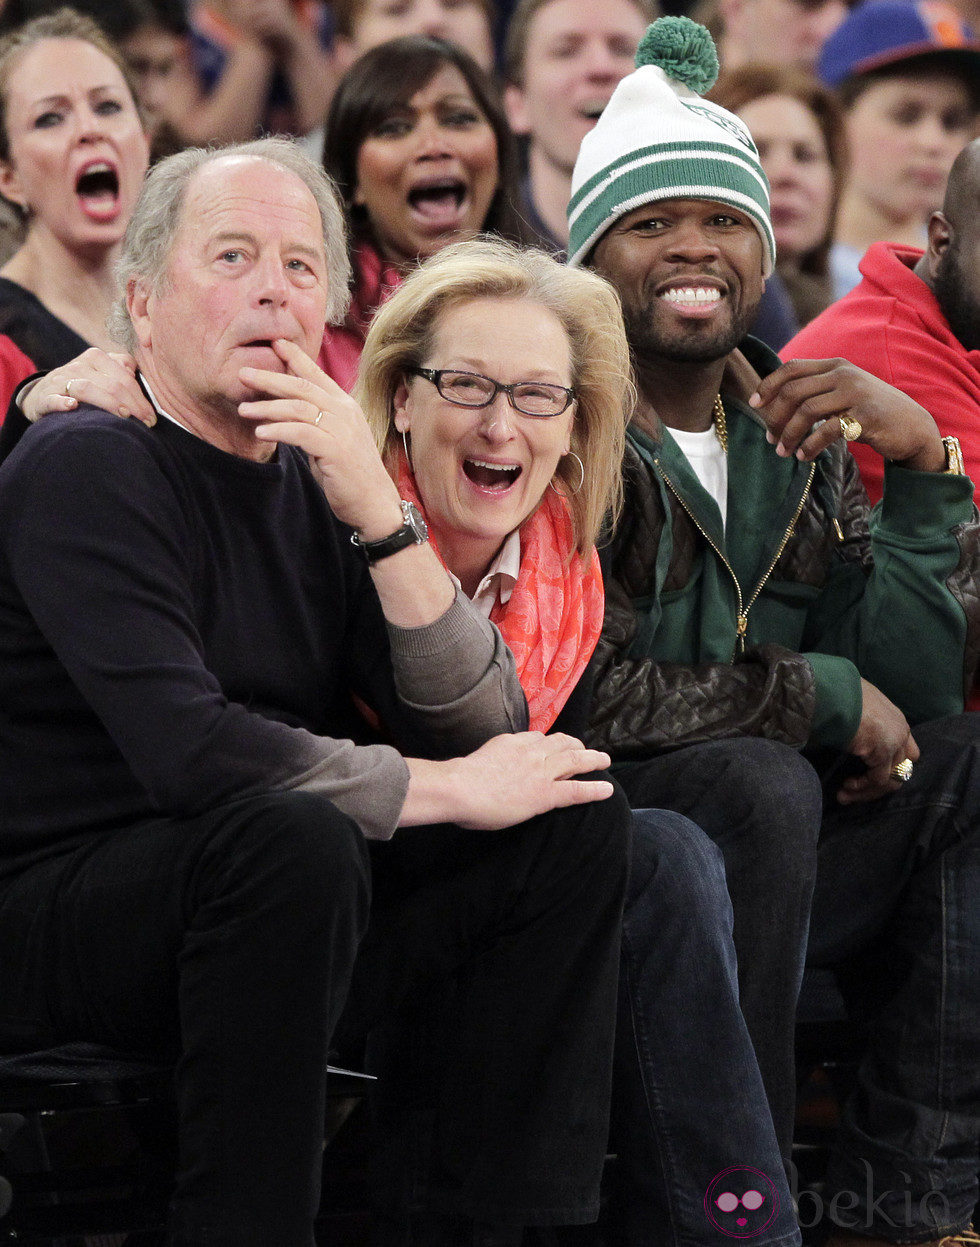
(470,389)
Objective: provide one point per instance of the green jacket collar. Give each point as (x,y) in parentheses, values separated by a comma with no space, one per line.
(764,490)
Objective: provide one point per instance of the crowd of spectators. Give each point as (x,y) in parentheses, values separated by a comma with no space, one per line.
(857,112)
(825,191)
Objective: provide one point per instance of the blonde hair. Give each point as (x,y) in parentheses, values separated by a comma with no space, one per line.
(402,332)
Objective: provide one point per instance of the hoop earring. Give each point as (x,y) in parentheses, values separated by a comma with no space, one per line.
(408,457)
(581,468)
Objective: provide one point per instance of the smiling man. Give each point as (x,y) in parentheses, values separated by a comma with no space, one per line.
(190,615)
(755,610)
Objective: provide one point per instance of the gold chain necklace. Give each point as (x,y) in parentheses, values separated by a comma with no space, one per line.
(721,425)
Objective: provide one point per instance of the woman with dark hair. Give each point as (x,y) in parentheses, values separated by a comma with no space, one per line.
(798,127)
(419,146)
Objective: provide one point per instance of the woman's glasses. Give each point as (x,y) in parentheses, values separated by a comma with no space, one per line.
(470,389)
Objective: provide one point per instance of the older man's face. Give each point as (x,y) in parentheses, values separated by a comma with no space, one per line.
(247,267)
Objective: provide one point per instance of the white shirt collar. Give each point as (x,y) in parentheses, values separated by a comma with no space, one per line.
(498,583)
(156,406)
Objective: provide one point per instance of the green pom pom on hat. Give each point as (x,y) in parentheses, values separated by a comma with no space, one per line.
(683,49)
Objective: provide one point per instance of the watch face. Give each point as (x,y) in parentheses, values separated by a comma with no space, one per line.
(413,517)
(954,457)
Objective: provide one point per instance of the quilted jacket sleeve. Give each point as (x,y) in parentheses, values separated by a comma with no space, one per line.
(643,706)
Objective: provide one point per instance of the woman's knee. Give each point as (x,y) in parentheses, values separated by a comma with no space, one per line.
(592,842)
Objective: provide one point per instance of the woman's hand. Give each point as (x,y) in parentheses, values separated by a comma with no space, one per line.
(308,409)
(95,378)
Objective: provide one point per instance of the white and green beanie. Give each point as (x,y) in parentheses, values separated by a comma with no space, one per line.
(657,139)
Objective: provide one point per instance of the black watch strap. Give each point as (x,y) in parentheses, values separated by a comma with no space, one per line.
(413,532)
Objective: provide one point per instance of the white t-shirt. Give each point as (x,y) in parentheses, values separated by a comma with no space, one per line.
(704,453)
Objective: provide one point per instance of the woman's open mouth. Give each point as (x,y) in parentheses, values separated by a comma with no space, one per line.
(439,204)
(97,189)
(497,477)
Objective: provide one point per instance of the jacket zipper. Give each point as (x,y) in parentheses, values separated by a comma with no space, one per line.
(742,621)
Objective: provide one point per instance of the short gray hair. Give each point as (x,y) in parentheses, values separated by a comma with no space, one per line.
(157,216)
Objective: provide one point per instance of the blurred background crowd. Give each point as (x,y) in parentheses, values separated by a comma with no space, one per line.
(441,119)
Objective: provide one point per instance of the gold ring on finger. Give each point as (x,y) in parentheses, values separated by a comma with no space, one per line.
(68,384)
(902,771)
(319,417)
(850,428)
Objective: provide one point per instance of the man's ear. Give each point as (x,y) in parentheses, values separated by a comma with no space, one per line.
(138,296)
(516,110)
(940,237)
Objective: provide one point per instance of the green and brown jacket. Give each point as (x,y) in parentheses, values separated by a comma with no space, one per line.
(765,627)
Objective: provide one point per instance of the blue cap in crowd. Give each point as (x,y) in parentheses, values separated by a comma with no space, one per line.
(881,33)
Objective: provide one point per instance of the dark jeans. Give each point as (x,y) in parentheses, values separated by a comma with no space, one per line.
(689,1110)
(519,932)
(761,803)
(231,939)
(897,911)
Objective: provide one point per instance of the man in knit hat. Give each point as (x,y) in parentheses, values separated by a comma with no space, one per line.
(768,644)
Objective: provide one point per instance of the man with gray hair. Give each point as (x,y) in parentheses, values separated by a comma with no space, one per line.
(186,624)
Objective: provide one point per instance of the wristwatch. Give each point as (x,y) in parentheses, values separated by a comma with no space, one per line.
(954,457)
(413,532)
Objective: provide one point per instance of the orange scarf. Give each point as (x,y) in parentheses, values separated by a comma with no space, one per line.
(553,618)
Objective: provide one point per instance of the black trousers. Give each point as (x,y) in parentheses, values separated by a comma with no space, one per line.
(230,940)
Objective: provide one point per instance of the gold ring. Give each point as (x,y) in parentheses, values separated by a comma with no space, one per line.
(319,417)
(68,384)
(850,428)
(902,771)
